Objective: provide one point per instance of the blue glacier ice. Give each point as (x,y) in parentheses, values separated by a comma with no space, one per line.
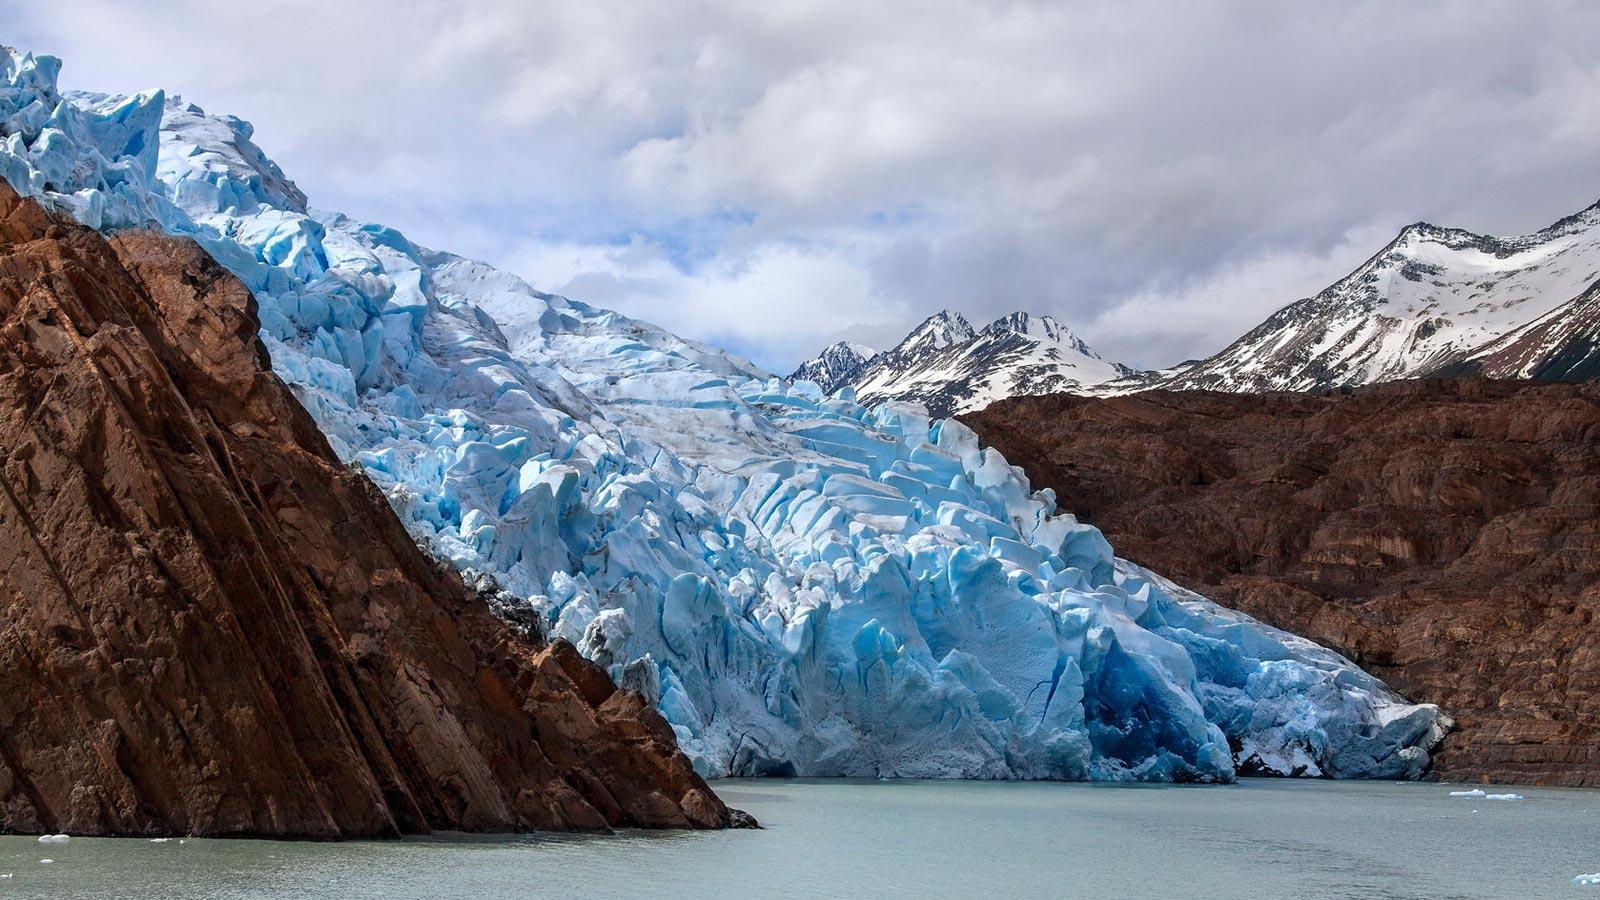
(800,584)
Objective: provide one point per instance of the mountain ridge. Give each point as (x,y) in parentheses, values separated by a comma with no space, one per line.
(949,366)
(1434,301)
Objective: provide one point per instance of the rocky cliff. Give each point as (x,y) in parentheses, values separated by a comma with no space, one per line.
(211,626)
(1445,535)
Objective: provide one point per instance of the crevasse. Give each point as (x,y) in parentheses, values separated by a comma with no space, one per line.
(803,586)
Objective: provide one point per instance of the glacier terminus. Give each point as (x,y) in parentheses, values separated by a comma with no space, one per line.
(801,584)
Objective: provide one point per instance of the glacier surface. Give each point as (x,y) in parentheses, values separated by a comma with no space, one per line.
(803,586)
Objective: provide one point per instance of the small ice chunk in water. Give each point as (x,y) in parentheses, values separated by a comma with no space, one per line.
(46,861)
(54,838)
(159,840)
(1591,879)
(1472,793)
(1502,796)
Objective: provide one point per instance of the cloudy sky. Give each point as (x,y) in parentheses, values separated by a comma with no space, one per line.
(776,176)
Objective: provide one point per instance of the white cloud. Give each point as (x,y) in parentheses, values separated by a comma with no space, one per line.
(775,175)
(805,293)
(1158,326)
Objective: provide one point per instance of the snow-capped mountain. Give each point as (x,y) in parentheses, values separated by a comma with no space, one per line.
(801,584)
(1435,301)
(836,366)
(950,368)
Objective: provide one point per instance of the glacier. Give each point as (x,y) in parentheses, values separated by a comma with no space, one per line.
(803,586)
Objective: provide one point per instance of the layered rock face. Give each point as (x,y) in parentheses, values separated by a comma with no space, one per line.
(1445,535)
(211,626)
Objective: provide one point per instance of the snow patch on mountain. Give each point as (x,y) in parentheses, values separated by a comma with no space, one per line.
(801,584)
(1562,345)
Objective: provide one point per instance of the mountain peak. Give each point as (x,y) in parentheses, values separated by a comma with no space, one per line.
(940,330)
(856,348)
(1019,322)
(1043,329)
(835,366)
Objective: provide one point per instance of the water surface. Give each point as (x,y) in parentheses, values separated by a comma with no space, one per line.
(1261,838)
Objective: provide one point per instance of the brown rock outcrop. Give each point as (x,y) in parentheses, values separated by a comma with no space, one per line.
(1445,535)
(211,626)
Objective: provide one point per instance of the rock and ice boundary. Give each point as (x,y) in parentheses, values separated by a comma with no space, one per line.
(803,586)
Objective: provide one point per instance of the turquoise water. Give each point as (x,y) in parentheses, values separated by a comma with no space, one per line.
(1261,838)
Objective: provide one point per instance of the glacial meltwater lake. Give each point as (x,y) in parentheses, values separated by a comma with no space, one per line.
(1260,838)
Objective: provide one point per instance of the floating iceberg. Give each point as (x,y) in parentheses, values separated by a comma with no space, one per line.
(54,838)
(1479,794)
(803,586)
(1592,878)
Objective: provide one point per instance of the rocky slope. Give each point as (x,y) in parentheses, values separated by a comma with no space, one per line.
(1435,301)
(211,626)
(1442,534)
(949,367)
